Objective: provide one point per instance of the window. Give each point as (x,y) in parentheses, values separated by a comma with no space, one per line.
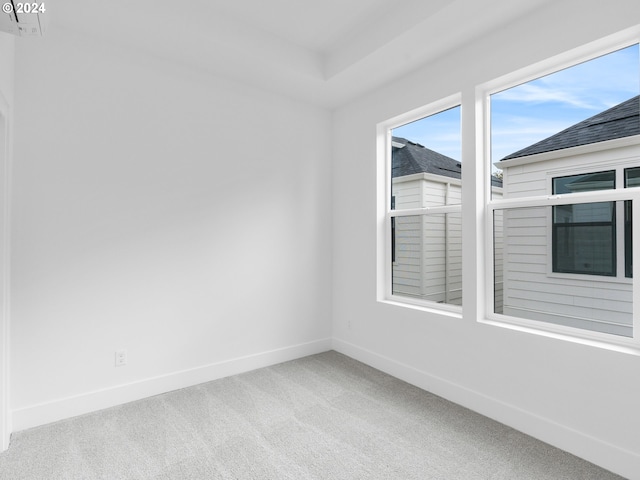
(561,141)
(584,236)
(567,147)
(424,181)
(592,249)
(631,179)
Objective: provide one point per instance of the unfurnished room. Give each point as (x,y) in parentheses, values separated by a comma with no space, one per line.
(298,239)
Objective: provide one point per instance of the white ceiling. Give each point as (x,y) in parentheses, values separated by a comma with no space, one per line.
(316,25)
(322,51)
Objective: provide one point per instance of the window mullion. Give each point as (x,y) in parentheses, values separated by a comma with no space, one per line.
(620,257)
(635,215)
(564,199)
(425,211)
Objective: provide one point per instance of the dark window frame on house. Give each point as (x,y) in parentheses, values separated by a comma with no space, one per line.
(615,230)
(576,240)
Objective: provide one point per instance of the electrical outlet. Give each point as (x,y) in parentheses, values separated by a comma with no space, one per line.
(121,358)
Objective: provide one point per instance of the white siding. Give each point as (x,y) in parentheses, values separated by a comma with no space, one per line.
(428,249)
(453,258)
(532,290)
(498,260)
(407,268)
(408,194)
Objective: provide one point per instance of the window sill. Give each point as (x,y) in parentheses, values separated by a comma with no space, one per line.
(451,311)
(614,343)
(591,278)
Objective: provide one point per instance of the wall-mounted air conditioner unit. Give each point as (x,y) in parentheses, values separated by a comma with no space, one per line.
(23,19)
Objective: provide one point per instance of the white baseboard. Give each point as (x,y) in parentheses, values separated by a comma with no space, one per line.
(608,456)
(59,409)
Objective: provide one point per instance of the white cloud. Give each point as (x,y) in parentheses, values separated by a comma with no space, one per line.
(592,86)
(542,131)
(539,93)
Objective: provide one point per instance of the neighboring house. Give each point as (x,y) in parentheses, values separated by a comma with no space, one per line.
(571,264)
(426,250)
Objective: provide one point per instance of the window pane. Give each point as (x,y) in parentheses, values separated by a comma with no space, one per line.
(567,264)
(585,183)
(632,177)
(584,238)
(524,288)
(428,257)
(628,240)
(426,169)
(591,102)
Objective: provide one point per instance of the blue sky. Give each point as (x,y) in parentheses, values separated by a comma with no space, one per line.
(439,132)
(528,113)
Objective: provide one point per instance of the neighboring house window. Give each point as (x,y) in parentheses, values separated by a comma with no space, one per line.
(631,179)
(584,236)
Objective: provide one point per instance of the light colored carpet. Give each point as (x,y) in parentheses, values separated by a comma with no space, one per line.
(321,417)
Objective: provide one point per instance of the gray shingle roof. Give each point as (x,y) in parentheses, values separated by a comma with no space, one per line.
(622,120)
(415,158)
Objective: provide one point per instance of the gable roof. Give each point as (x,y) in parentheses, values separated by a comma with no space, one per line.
(622,120)
(412,158)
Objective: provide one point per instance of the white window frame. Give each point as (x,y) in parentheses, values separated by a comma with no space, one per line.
(478,207)
(385,214)
(482,98)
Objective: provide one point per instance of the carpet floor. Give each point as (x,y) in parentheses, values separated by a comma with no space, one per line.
(321,417)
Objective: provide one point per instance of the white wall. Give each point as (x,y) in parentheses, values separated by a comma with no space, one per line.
(6,65)
(581,398)
(6,103)
(174,214)
(188,219)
